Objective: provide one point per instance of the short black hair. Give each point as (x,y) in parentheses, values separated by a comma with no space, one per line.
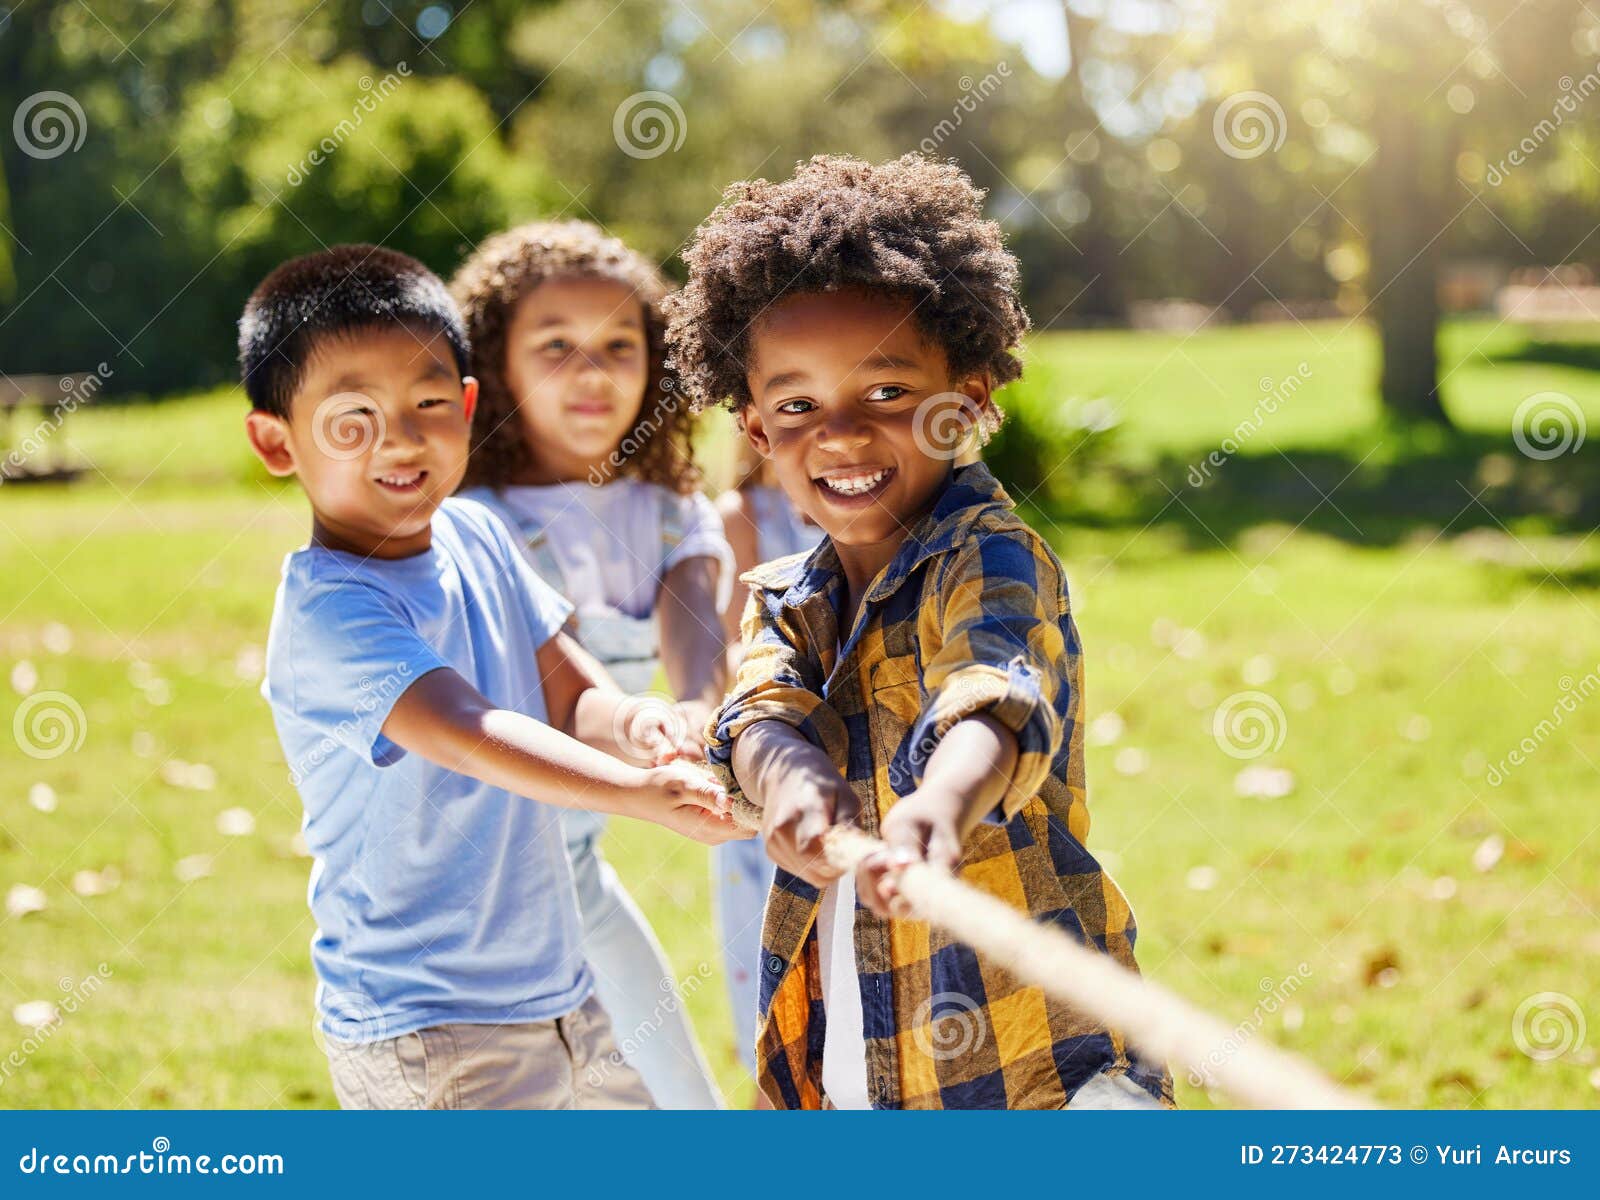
(335,293)
(913,227)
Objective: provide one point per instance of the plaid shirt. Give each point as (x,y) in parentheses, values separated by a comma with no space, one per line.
(970,617)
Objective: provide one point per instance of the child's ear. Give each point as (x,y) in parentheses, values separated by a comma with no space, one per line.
(469,396)
(749,420)
(977,388)
(269,438)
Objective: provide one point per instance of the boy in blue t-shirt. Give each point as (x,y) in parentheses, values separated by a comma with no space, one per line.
(433,714)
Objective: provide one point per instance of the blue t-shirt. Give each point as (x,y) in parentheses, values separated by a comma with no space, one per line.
(437,897)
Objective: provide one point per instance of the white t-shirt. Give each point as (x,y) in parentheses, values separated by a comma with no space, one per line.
(844,1042)
(609,541)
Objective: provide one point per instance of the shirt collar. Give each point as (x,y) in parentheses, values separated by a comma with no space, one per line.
(969,494)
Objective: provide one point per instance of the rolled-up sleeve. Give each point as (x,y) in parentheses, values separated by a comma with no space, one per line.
(778,680)
(1002,638)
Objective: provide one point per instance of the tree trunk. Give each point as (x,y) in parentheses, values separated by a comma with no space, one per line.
(1404,232)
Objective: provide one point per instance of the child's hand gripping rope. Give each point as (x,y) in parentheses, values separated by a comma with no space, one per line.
(1158,1022)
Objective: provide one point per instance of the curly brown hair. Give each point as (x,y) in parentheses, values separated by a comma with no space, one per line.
(913,227)
(490,285)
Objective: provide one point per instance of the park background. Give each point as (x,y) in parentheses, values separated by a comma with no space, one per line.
(1305,415)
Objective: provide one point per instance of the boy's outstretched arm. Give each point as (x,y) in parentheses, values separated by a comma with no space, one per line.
(966,778)
(800,793)
(446,720)
(583,701)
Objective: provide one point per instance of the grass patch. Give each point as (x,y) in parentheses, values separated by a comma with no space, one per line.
(1413,605)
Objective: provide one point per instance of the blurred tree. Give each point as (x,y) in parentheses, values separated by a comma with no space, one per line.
(306,156)
(188,166)
(151,182)
(1392,96)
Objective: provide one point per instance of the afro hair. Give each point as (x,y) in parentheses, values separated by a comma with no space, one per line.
(912,227)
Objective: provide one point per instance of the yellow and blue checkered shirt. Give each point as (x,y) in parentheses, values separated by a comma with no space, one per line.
(971,616)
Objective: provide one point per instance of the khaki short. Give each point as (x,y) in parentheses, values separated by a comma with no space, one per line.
(570,1062)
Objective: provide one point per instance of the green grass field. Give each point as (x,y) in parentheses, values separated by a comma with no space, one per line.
(1415,607)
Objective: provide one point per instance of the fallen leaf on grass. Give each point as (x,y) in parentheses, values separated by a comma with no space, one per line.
(1488,853)
(192,867)
(236,822)
(24,898)
(35,1014)
(1383,968)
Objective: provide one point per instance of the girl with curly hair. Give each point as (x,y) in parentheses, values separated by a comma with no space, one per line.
(581,444)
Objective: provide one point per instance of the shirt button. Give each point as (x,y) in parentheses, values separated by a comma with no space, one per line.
(774,964)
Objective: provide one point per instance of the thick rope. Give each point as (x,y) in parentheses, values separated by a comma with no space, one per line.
(1159,1023)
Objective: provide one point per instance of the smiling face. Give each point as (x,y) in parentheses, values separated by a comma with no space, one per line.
(377,433)
(577,362)
(841,384)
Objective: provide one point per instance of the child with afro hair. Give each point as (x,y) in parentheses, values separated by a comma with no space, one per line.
(919,673)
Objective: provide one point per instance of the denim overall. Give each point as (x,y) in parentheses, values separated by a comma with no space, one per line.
(632,975)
